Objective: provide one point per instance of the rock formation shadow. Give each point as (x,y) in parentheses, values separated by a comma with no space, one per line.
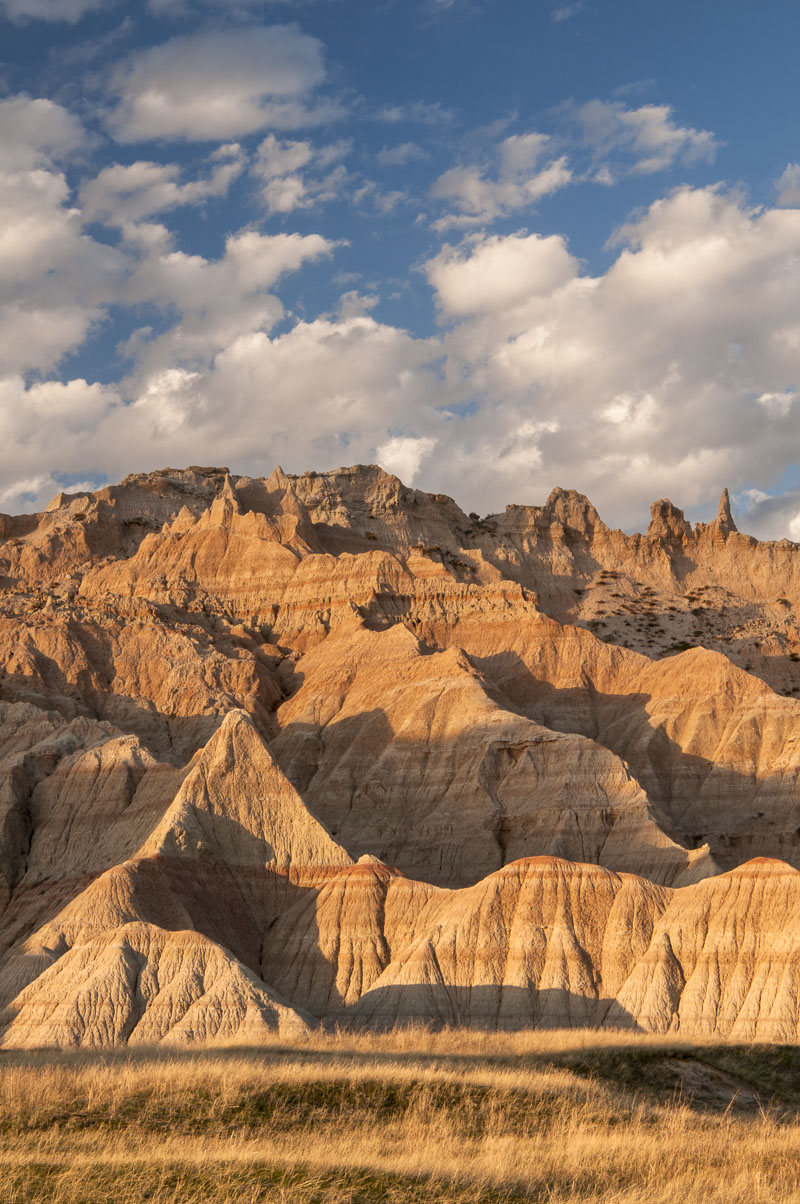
(357,771)
(487,1008)
(170,738)
(232,902)
(674,780)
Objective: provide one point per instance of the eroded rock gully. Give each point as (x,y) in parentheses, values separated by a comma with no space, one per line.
(324,748)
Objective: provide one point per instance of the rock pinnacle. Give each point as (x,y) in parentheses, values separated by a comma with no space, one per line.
(724,517)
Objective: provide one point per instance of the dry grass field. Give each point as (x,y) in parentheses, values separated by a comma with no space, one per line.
(416,1116)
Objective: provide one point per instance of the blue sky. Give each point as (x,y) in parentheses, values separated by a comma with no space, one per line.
(495,246)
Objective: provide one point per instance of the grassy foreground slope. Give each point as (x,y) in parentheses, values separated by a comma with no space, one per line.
(454,1116)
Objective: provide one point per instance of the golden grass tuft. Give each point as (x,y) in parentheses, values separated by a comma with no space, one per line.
(404,1117)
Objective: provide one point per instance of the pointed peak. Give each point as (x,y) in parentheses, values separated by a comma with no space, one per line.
(724,517)
(234,719)
(229,497)
(225,504)
(238,804)
(369,868)
(277,478)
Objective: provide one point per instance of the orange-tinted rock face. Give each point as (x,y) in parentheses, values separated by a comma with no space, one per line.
(324,746)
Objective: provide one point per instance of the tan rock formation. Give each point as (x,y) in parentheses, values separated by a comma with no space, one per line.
(422,768)
(549,943)
(236,804)
(141,985)
(331,946)
(725,521)
(541,943)
(76,797)
(540,737)
(724,958)
(232,851)
(165,680)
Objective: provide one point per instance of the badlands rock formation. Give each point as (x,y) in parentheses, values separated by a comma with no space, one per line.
(324,748)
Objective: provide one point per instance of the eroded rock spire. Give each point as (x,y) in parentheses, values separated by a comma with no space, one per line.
(724,517)
(667,522)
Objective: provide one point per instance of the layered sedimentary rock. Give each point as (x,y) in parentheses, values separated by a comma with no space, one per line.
(323,747)
(549,943)
(542,942)
(140,984)
(421,766)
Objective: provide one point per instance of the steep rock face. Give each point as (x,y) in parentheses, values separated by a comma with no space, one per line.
(540,943)
(166,681)
(81,529)
(547,943)
(568,530)
(237,805)
(234,849)
(713,747)
(331,946)
(90,812)
(235,831)
(173,895)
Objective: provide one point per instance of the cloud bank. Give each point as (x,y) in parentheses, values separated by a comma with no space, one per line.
(672,372)
(673,367)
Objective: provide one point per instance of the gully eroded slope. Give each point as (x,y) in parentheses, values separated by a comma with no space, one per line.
(312,747)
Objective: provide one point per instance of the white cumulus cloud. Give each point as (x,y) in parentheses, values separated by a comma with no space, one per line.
(669,373)
(495,274)
(299,175)
(648,137)
(35,132)
(673,372)
(130,192)
(524,175)
(41,239)
(403,455)
(216,301)
(220,85)
(324,393)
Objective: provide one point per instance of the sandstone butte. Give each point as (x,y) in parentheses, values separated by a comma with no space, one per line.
(324,748)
